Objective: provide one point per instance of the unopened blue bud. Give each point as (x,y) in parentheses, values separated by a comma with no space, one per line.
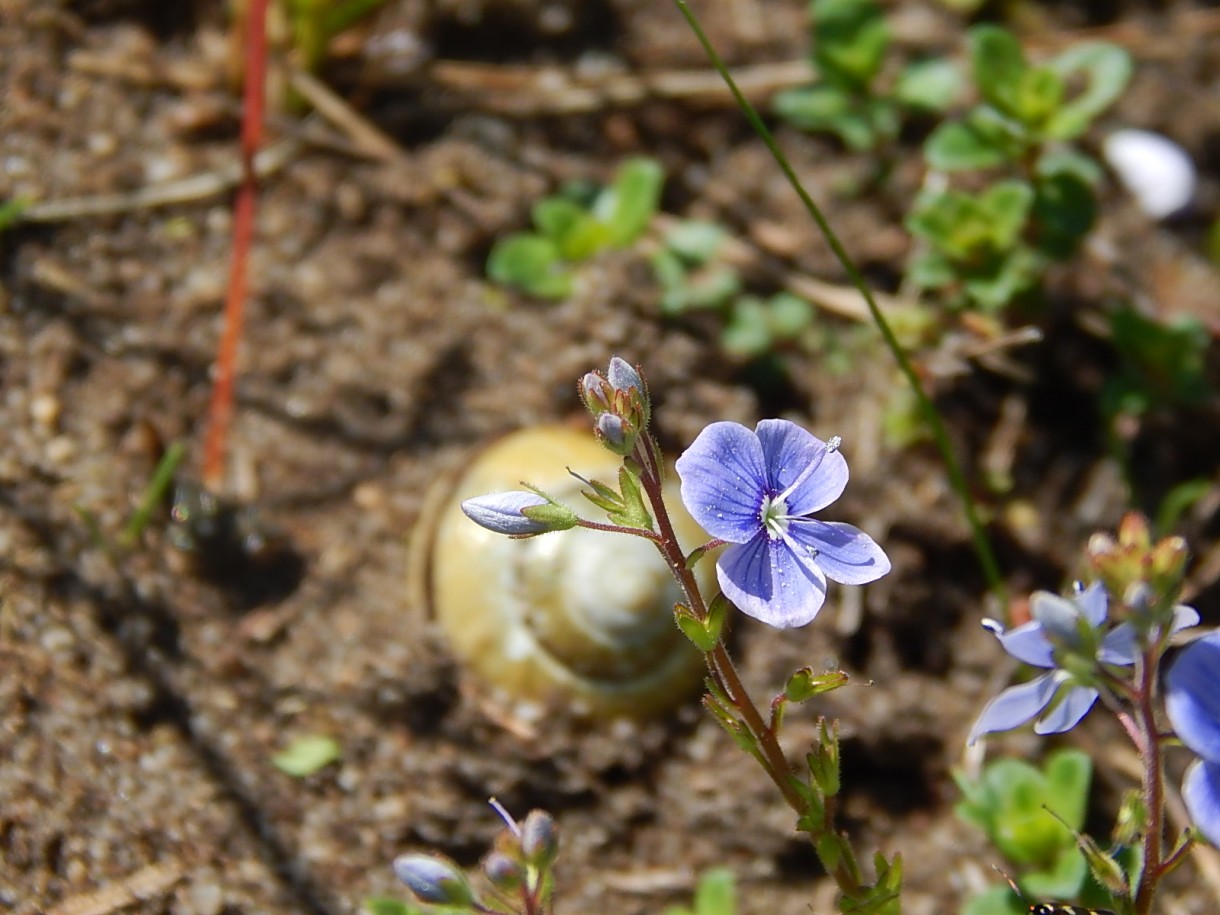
(595,392)
(434,880)
(539,840)
(623,376)
(503,871)
(501,513)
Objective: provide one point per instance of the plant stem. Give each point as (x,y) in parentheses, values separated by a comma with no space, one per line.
(845,872)
(1154,782)
(220,410)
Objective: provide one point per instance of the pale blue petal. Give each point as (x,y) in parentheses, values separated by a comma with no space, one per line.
(1015,706)
(768,581)
(1201,792)
(1192,696)
(501,513)
(788,451)
(802,463)
(1028,643)
(1183,618)
(1058,616)
(845,553)
(1067,713)
(1119,646)
(722,481)
(1093,601)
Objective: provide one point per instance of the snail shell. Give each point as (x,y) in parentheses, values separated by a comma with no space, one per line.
(578,619)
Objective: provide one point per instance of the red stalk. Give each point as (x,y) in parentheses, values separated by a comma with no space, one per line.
(220,410)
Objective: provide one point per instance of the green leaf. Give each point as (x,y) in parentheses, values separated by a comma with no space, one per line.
(307,754)
(716,893)
(628,205)
(930,270)
(958,146)
(695,241)
(1039,94)
(12,211)
(386,905)
(576,234)
(790,315)
(850,38)
(1106,69)
(1066,160)
(1007,204)
(1068,775)
(1004,280)
(1064,211)
(929,85)
(1064,879)
(747,334)
(1178,501)
(812,107)
(530,262)
(997,900)
(999,66)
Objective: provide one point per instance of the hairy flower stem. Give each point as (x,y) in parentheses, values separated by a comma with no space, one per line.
(845,872)
(1151,749)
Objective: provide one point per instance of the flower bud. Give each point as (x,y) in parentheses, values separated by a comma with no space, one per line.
(595,393)
(434,880)
(539,840)
(623,376)
(503,871)
(518,514)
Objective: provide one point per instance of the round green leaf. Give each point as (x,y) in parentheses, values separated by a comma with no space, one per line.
(1106,69)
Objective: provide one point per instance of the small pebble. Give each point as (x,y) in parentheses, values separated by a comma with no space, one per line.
(1157,171)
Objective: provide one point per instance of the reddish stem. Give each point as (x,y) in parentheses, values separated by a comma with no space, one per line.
(220,410)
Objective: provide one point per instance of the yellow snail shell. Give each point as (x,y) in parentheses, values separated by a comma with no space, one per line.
(577,619)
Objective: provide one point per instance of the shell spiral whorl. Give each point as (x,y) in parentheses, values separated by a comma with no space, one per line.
(581,619)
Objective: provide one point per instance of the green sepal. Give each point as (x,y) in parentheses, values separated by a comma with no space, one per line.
(704,633)
(823,760)
(805,684)
(633,511)
(555,515)
(1104,868)
(603,496)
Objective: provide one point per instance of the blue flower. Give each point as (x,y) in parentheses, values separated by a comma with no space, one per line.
(756,491)
(1061,624)
(1192,702)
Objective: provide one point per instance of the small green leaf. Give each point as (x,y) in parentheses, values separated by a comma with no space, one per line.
(716,893)
(628,205)
(12,211)
(576,234)
(958,146)
(1038,96)
(812,107)
(1178,501)
(789,316)
(386,905)
(1060,160)
(1106,69)
(307,754)
(931,270)
(929,85)
(532,263)
(695,241)
(746,334)
(1064,211)
(850,38)
(999,66)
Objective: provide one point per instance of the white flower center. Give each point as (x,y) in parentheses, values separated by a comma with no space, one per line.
(774,516)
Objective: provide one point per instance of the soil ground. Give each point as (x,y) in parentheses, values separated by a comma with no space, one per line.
(142,697)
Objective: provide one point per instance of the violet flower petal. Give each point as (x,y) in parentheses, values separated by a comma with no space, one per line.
(1119,646)
(1016,705)
(722,481)
(1183,618)
(844,553)
(1028,644)
(500,513)
(1094,602)
(1192,696)
(767,580)
(1066,715)
(1201,792)
(1058,616)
